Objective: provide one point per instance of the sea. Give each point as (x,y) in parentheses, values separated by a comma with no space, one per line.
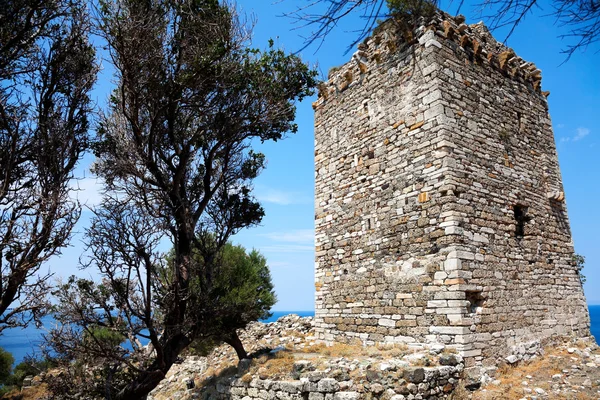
(22,342)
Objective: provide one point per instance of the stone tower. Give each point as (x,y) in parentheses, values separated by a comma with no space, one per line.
(440,212)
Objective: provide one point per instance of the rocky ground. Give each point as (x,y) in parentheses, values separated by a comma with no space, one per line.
(286,351)
(567,371)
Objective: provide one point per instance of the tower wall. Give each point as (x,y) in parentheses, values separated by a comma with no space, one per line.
(440,213)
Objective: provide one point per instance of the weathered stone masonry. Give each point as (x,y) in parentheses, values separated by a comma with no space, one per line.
(440,212)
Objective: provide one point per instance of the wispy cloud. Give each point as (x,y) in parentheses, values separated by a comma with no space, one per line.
(580,133)
(88,191)
(287,248)
(295,241)
(295,236)
(281,197)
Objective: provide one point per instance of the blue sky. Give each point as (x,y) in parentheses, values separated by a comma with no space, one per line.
(286,187)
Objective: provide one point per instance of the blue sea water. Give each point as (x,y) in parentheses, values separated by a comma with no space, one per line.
(278,314)
(21,342)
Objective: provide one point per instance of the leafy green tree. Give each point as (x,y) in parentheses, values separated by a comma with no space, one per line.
(6,362)
(30,366)
(174,149)
(579,262)
(242,292)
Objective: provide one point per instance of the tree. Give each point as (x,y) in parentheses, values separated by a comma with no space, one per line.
(174,151)
(579,262)
(580,18)
(6,362)
(47,69)
(242,292)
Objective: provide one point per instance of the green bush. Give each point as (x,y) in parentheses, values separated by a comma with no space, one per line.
(29,366)
(412,8)
(6,362)
(240,292)
(107,338)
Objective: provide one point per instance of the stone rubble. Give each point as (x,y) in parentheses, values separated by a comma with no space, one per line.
(564,372)
(432,374)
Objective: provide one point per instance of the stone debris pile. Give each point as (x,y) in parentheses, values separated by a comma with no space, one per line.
(568,371)
(288,364)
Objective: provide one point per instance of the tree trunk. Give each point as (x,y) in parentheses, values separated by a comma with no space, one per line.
(139,388)
(147,380)
(234,341)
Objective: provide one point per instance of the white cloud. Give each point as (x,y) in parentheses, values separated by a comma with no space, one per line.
(295,241)
(88,191)
(281,197)
(287,248)
(581,133)
(295,236)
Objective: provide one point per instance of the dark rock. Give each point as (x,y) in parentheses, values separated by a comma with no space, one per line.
(373,376)
(416,375)
(449,359)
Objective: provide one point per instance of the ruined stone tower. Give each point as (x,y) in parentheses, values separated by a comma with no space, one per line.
(440,212)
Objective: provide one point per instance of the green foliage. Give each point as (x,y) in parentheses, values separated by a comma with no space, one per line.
(203,346)
(30,366)
(579,262)
(6,362)
(412,8)
(106,337)
(241,292)
(175,150)
(244,284)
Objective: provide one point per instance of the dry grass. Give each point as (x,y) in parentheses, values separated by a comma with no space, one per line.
(279,365)
(31,393)
(358,351)
(540,370)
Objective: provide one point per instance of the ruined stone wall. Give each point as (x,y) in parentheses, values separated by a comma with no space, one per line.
(440,213)
(421,382)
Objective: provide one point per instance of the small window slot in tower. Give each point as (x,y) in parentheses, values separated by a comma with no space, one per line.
(521,217)
(476,302)
(519,121)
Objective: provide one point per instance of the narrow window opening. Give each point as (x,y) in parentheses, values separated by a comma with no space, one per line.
(369,224)
(345,272)
(519,122)
(434,249)
(521,217)
(476,302)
